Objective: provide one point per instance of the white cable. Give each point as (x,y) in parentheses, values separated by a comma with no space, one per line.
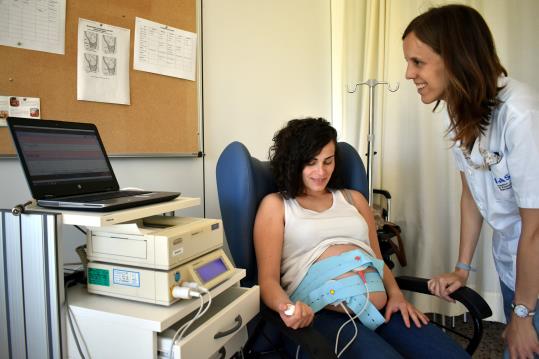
(353,321)
(171,352)
(192,285)
(339,332)
(366,300)
(184,292)
(201,311)
(186,326)
(345,324)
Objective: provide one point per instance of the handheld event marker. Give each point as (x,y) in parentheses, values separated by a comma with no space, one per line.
(290,309)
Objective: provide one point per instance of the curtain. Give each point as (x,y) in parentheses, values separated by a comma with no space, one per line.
(414,161)
(358,41)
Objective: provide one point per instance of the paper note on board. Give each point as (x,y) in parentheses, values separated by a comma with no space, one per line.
(103,63)
(17,106)
(164,50)
(33,24)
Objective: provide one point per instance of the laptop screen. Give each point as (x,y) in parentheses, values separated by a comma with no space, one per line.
(62,158)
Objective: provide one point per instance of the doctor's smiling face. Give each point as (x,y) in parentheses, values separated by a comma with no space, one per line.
(426,68)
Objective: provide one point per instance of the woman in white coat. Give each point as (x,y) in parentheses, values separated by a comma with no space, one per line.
(494,124)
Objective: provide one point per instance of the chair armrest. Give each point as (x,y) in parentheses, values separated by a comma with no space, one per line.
(309,338)
(383,192)
(472,301)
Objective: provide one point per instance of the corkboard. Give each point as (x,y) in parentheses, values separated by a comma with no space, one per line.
(162,118)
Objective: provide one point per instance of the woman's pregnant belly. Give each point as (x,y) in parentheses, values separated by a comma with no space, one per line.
(378,299)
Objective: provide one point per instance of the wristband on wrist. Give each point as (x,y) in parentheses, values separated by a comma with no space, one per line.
(465,266)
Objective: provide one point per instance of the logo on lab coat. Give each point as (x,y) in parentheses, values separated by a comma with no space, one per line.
(503,183)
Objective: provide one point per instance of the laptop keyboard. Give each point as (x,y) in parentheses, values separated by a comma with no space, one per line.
(108,195)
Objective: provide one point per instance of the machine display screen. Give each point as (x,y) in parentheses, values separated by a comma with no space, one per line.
(211,269)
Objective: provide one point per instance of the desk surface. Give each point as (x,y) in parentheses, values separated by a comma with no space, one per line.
(99,219)
(142,315)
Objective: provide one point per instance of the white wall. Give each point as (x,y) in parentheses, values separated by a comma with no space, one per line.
(264,63)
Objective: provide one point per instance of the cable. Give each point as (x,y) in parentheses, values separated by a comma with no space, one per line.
(362,275)
(171,350)
(20,208)
(200,315)
(77,267)
(191,291)
(80,229)
(339,332)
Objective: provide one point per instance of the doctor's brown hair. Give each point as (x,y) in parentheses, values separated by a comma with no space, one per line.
(460,35)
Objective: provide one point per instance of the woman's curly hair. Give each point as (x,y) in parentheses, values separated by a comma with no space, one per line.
(294,146)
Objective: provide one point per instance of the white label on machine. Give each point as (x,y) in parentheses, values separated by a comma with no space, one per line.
(125,277)
(177,252)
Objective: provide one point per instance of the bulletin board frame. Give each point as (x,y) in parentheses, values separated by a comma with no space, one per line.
(162,119)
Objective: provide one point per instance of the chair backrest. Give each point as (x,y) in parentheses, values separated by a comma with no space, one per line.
(242,182)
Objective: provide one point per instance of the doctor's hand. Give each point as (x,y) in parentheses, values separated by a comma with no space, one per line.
(302,317)
(521,338)
(397,302)
(445,284)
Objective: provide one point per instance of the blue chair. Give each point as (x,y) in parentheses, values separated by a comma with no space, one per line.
(242,182)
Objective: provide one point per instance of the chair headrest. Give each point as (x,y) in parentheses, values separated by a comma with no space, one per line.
(352,169)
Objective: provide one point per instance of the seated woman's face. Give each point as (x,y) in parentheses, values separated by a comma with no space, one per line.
(317,173)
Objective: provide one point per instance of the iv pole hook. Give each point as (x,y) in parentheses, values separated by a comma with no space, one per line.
(372,83)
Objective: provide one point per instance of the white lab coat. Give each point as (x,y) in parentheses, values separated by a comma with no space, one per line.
(513,182)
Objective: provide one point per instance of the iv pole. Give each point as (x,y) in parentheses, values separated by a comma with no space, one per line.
(372,83)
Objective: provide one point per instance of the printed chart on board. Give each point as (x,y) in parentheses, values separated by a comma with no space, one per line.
(164,50)
(33,24)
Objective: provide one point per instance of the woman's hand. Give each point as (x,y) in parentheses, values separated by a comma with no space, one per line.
(445,284)
(397,302)
(303,315)
(521,338)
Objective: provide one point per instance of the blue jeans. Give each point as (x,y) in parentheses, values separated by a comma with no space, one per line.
(390,340)
(508,296)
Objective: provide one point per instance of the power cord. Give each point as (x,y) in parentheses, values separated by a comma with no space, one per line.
(83,255)
(189,290)
(20,208)
(80,229)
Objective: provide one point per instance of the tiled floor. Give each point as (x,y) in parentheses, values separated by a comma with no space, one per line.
(491,346)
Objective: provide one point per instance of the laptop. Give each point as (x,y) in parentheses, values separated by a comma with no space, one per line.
(66,167)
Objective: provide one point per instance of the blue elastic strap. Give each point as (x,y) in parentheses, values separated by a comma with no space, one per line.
(332,267)
(334,290)
(370,316)
(351,290)
(318,288)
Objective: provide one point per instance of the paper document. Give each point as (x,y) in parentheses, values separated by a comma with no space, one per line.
(103,63)
(33,24)
(13,106)
(164,50)
(127,228)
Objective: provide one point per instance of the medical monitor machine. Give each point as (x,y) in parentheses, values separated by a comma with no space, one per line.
(144,261)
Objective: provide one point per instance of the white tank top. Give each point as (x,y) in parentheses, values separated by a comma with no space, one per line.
(307,234)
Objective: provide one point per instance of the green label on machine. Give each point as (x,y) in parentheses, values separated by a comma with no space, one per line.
(98,277)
